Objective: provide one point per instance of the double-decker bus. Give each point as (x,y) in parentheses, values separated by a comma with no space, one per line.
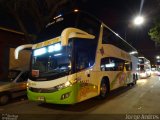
(78,57)
(144,67)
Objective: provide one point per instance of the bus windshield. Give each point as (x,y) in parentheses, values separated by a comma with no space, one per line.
(54,62)
(56,26)
(77,20)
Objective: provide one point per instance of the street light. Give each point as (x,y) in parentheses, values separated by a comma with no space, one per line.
(157,57)
(138,20)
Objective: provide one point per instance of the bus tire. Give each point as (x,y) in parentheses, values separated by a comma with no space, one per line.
(4,99)
(104,89)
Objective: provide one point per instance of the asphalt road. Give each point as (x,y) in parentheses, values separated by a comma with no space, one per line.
(123,103)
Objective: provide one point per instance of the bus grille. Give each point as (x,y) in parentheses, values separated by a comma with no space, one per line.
(42,90)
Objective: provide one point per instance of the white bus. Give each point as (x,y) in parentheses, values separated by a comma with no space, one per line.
(144,67)
(77,57)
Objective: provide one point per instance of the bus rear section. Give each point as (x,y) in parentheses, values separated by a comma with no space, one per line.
(144,67)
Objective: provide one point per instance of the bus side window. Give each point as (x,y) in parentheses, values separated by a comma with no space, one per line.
(107,64)
(110,37)
(112,64)
(128,65)
(82,60)
(119,64)
(85,51)
(107,36)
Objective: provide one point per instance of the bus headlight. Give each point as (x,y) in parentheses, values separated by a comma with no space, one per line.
(67,84)
(27,84)
(52,89)
(64,85)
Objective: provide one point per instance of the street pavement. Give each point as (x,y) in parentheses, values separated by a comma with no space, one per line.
(123,103)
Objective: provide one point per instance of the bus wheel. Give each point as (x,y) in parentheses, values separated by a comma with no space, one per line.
(103,89)
(4,99)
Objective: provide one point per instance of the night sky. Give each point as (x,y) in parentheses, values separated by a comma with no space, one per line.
(117,14)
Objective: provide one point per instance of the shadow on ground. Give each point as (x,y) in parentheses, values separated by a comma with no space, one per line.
(87,104)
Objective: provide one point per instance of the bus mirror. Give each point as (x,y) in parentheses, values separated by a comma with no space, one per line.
(18,49)
(74,33)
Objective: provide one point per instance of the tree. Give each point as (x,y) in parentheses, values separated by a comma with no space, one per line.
(32,15)
(154,32)
(12,6)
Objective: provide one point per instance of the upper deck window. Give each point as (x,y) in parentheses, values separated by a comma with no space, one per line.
(110,37)
(56,26)
(78,20)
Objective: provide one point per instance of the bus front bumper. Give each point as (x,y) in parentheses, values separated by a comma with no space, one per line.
(63,96)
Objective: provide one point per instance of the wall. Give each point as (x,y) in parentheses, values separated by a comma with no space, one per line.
(8,39)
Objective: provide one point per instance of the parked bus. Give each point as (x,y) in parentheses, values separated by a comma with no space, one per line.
(77,57)
(144,67)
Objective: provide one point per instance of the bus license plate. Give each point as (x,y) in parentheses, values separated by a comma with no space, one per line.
(40,98)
